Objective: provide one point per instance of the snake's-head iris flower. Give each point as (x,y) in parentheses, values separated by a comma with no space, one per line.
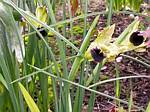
(104,47)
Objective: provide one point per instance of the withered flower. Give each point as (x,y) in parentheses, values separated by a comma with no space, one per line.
(136,39)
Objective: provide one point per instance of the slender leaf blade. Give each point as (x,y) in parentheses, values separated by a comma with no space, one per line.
(33,107)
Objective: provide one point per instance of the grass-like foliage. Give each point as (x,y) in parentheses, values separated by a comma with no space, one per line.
(43,67)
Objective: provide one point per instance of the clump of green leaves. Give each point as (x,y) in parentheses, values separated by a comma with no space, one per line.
(133,5)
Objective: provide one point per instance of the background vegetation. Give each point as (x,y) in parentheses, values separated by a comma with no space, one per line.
(42,61)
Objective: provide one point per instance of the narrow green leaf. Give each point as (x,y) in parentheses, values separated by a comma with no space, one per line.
(127,32)
(15,41)
(2,80)
(117,83)
(130,101)
(82,50)
(148,108)
(110,12)
(33,107)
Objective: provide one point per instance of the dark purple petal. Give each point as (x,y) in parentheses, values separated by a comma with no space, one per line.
(97,54)
(42,31)
(136,39)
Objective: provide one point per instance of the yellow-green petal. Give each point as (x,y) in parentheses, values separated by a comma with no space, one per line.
(105,35)
(41,14)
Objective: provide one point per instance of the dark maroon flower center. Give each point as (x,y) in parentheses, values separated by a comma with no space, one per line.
(136,39)
(42,31)
(97,54)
